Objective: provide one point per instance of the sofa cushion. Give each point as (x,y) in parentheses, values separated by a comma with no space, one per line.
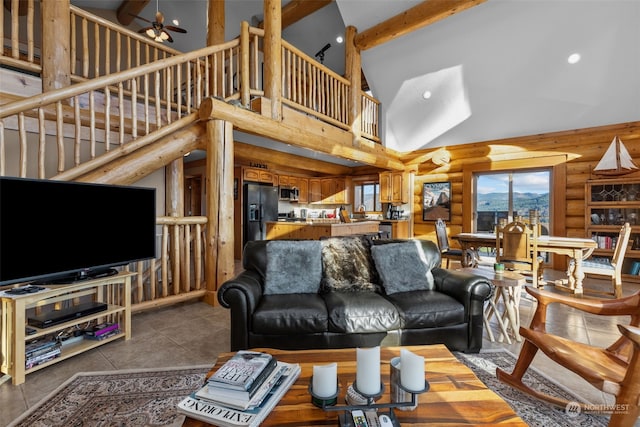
(290,314)
(427,309)
(347,265)
(360,312)
(402,267)
(293,267)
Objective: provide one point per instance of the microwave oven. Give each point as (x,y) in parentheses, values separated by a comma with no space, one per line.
(289,193)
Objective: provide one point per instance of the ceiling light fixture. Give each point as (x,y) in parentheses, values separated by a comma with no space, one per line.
(339,39)
(426,94)
(573,58)
(158,31)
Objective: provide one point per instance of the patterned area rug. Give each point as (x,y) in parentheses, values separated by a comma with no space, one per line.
(532,411)
(148,397)
(117,398)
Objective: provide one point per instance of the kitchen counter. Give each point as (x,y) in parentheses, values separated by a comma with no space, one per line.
(317,228)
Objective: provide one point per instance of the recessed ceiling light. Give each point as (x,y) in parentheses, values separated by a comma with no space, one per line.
(426,94)
(573,58)
(176,22)
(339,39)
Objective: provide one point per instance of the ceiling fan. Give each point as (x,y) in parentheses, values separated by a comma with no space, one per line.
(157,30)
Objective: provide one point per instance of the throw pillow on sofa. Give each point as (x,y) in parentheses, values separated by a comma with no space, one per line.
(402,267)
(293,267)
(347,265)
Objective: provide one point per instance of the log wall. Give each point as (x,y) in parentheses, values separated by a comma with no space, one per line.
(581,150)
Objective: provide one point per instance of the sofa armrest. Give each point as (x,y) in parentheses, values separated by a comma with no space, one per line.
(470,289)
(241,295)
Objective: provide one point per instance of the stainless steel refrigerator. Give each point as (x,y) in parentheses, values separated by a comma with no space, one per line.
(260,205)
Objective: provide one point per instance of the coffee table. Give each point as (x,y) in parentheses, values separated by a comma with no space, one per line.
(508,288)
(456,395)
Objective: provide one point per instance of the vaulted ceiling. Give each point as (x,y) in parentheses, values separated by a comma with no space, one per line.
(495,70)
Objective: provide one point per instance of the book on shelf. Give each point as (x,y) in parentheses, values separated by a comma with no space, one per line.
(635,268)
(245,371)
(243,400)
(223,416)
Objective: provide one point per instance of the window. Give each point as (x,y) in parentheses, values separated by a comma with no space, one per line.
(508,194)
(367,194)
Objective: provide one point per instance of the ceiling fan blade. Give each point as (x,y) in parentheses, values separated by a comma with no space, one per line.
(168,36)
(176,29)
(140,17)
(144,30)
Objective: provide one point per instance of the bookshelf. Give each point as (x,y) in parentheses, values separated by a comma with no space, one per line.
(115,291)
(609,204)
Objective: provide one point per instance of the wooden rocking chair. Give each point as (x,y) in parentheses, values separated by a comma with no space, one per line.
(614,370)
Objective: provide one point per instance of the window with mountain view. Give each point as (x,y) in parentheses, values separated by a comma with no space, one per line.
(510,194)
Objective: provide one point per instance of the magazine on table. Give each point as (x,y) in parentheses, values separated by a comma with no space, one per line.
(241,399)
(223,416)
(245,371)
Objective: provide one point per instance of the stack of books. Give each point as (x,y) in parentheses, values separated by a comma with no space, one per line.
(242,392)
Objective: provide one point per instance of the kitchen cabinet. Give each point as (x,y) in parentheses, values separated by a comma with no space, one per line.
(315,190)
(330,191)
(609,204)
(394,187)
(257,175)
(319,229)
(303,187)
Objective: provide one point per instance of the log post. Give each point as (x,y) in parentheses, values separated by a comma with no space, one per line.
(215,35)
(353,66)
(245,82)
(219,189)
(56,49)
(174,206)
(273,56)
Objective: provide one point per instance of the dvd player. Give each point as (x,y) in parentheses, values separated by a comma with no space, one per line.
(56,317)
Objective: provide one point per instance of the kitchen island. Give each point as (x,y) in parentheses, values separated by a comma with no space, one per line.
(316,229)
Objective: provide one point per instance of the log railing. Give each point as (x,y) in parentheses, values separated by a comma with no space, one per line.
(80,123)
(178,273)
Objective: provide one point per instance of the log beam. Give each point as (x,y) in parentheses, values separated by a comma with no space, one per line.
(296,10)
(310,134)
(421,15)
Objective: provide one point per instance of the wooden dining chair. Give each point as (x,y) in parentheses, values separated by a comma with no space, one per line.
(614,370)
(517,249)
(446,252)
(612,268)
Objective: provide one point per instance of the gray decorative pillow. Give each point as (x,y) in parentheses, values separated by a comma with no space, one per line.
(347,265)
(293,267)
(402,267)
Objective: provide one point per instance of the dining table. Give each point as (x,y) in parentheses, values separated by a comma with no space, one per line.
(576,248)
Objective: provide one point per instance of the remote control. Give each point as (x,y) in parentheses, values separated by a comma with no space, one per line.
(359,419)
(385,421)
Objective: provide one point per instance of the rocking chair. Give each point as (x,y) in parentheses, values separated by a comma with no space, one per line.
(614,370)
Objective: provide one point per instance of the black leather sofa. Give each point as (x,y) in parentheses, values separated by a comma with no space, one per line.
(445,308)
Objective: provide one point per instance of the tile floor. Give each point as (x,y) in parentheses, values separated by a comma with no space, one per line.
(194,334)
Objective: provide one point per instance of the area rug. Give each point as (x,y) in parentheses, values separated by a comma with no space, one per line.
(145,397)
(533,411)
(149,397)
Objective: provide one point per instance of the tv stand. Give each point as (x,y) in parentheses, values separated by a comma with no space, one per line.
(113,290)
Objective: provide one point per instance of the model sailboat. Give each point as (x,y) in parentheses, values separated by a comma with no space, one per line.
(616,160)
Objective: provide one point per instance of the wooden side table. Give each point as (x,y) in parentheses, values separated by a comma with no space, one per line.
(508,288)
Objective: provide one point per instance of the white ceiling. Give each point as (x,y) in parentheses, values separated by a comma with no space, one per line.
(496,70)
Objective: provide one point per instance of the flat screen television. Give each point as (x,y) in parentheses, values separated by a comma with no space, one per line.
(56,232)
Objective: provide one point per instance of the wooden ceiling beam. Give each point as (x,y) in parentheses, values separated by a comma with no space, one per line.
(128,8)
(295,10)
(421,15)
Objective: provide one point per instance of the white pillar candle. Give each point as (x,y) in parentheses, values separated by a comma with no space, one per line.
(411,371)
(368,370)
(325,380)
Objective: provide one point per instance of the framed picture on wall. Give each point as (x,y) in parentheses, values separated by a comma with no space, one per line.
(436,201)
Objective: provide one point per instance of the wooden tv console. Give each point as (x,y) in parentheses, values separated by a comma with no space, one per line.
(114,290)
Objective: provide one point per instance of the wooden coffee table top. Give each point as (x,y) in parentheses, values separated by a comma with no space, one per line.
(456,395)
